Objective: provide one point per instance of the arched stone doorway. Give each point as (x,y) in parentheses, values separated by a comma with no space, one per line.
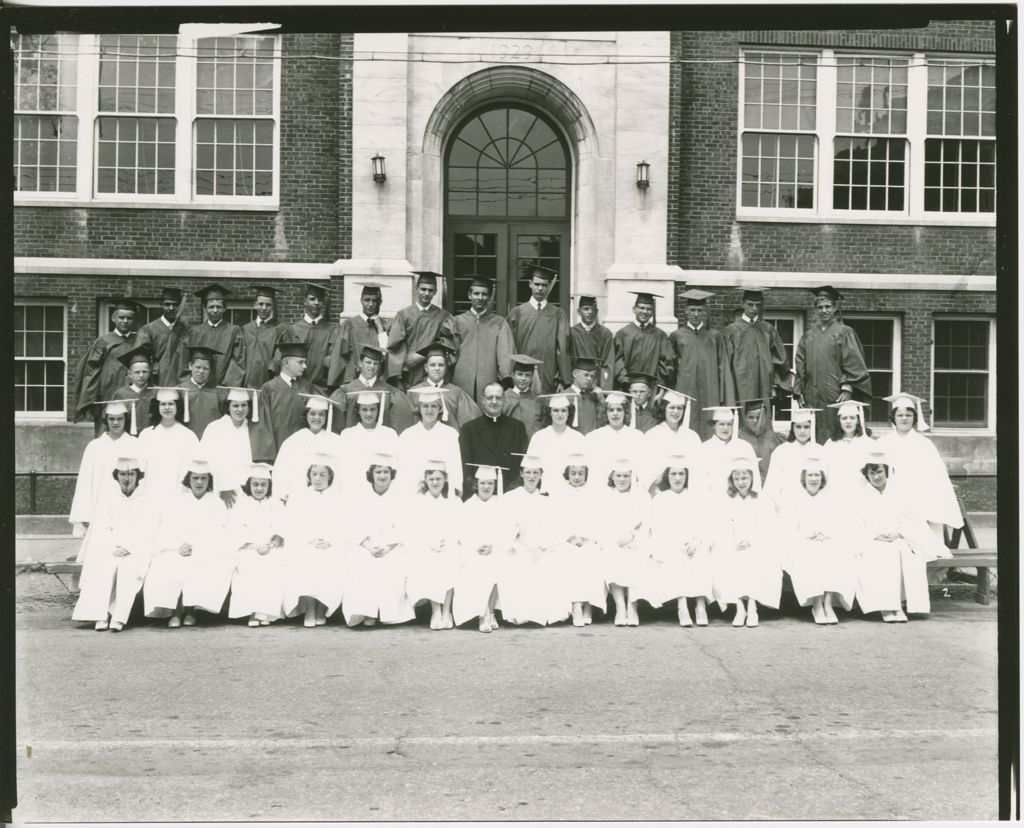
(507,204)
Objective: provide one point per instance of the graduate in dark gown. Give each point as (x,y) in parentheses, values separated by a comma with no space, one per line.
(541,330)
(641,388)
(457,408)
(413,328)
(702,369)
(755,352)
(202,399)
(318,333)
(138,362)
(482,341)
(643,346)
(397,409)
(217,334)
(830,364)
(589,338)
(520,399)
(367,327)
(163,336)
(100,373)
(493,439)
(755,427)
(260,338)
(588,402)
(282,411)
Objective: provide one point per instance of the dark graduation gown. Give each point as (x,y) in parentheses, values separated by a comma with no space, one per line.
(203,405)
(524,407)
(484,347)
(282,412)
(756,358)
(645,419)
(702,372)
(492,442)
(144,405)
(322,339)
(461,408)
(411,330)
(597,343)
(353,333)
(99,373)
(763,442)
(825,361)
(543,334)
(397,409)
(644,349)
(164,342)
(227,369)
(260,341)
(588,404)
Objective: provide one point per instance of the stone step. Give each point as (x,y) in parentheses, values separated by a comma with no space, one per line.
(39,525)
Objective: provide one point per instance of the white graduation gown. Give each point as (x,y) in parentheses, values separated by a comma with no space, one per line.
(295,457)
(533,588)
(167,452)
(660,443)
(356,447)
(783,477)
(258,585)
(429,528)
(605,445)
(622,533)
(580,567)
(713,464)
(108,583)
(553,449)
(677,520)
(923,476)
(229,451)
(816,566)
(95,477)
(844,460)
(752,572)
(482,523)
(312,516)
(418,444)
(376,585)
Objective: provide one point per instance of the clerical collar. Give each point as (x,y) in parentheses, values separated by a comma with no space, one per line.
(747,319)
(310,320)
(588,328)
(692,328)
(493,419)
(538,305)
(213,324)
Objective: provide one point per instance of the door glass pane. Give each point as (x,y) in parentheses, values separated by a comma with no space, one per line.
(533,249)
(474,254)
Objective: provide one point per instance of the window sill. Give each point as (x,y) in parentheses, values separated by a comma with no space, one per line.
(902,220)
(21,201)
(42,418)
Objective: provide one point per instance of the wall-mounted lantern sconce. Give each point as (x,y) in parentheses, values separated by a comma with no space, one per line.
(379,173)
(643,175)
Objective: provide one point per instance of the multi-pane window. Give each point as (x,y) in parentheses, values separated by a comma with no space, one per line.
(151,309)
(164,119)
(40,358)
(960,151)
(875,137)
(45,119)
(961,372)
(475,254)
(790,328)
(879,339)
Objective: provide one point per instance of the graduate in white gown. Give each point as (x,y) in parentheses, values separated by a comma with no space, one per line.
(745,563)
(783,478)
(621,510)
(893,544)
(189,569)
(678,546)
(922,472)
(94,482)
(254,534)
(167,447)
(556,440)
(430,535)
(578,537)
(670,437)
(814,536)
(115,553)
(292,464)
(357,444)
(375,589)
(844,452)
(617,438)
(485,542)
(225,443)
(532,590)
(429,438)
(318,559)
(714,455)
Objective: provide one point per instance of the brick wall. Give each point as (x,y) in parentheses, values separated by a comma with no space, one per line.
(702,228)
(315,182)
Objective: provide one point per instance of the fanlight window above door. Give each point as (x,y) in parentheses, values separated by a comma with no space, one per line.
(508,162)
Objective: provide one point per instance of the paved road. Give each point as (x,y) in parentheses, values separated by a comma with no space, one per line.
(862,720)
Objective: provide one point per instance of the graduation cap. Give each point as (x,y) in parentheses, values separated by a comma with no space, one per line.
(694,296)
(756,404)
(140,353)
(812,461)
(435,348)
(238,394)
(119,407)
(642,376)
(313,289)
(128,305)
(197,465)
(903,400)
(545,273)
(524,362)
(529,461)
(722,413)
(587,363)
(803,415)
(371,351)
(293,349)
(476,280)
(172,293)
(202,351)
(261,471)
(828,291)
(124,464)
(318,402)
(428,276)
(616,397)
(754,293)
(166,393)
(876,457)
(563,399)
(435,465)
(677,461)
(848,407)
(263,290)
(213,291)
(429,394)
(645,296)
(673,397)
(577,458)
(368,396)
(383,458)
(586,301)
(486,472)
(372,288)
(621,465)
(741,461)
(322,458)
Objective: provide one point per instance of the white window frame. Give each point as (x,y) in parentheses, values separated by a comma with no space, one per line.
(825,135)
(106,308)
(88,47)
(56,416)
(797,318)
(897,355)
(990,413)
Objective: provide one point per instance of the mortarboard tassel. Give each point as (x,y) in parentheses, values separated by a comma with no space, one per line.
(921,424)
(184,393)
(632,411)
(576,412)
(444,408)
(255,406)
(134,430)
(330,416)
(380,413)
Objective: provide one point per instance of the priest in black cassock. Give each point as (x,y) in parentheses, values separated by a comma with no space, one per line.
(222,337)
(318,333)
(100,373)
(589,338)
(163,336)
(282,411)
(541,330)
(260,338)
(493,439)
(642,345)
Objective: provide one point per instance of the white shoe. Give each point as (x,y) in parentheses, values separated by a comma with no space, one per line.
(752,617)
(101,625)
(741,616)
(174,622)
(701,615)
(189,620)
(116,626)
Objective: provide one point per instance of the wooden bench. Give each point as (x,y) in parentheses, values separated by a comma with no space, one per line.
(980,559)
